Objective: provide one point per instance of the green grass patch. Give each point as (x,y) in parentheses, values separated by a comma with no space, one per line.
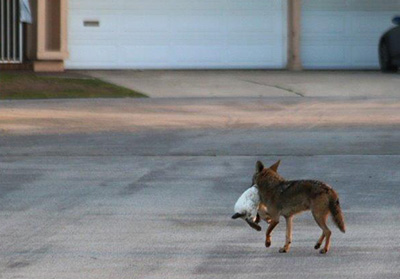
(28,85)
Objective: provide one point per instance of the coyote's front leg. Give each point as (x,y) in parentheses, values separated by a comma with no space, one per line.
(271,227)
(289,223)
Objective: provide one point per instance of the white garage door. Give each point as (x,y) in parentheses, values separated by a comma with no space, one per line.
(176,34)
(344,34)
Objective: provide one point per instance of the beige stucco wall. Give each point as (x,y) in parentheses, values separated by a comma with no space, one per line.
(31,34)
(46,38)
(294,33)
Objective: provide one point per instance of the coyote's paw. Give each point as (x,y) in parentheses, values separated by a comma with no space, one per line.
(283,250)
(268,243)
(323,251)
(317,246)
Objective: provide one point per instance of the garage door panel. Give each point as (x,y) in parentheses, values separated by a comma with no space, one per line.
(351,57)
(144,39)
(351,5)
(107,24)
(190,5)
(95,55)
(324,23)
(250,39)
(324,5)
(251,23)
(139,6)
(179,34)
(259,5)
(250,55)
(344,34)
(373,5)
(364,55)
(198,23)
(200,39)
(156,55)
(370,24)
(194,5)
(99,5)
(199,55)
(148,23)
(316,56)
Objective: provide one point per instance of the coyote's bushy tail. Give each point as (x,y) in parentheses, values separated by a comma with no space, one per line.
(336,211)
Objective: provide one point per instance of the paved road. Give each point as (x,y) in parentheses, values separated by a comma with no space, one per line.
(146,188)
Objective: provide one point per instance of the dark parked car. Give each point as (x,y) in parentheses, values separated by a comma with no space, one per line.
(389,48)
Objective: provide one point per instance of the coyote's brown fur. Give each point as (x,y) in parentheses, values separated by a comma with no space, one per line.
(287,198)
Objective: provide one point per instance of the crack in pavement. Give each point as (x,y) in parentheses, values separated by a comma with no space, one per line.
(276,87)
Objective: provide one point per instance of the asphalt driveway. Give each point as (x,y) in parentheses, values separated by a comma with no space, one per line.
(144,188)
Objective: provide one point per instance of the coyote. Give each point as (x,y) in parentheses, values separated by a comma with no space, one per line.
(287,198)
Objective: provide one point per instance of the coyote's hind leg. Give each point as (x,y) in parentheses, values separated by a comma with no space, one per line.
(319,242)
(321,218)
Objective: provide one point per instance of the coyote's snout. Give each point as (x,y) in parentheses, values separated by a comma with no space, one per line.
(287,198)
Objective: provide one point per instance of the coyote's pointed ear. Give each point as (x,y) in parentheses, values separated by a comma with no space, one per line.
(275,166)
(259,166)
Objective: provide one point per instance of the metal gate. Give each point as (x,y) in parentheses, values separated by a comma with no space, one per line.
(10,32)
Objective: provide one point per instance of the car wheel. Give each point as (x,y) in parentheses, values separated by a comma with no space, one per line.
(384,59)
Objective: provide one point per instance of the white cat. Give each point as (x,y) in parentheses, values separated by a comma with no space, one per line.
(249,208)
